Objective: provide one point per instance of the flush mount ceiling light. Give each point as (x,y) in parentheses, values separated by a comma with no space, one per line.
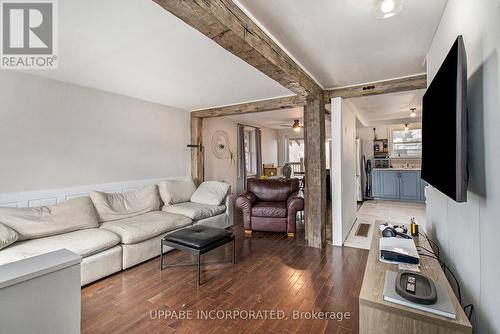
(296,126)
(384,9)
(413,112)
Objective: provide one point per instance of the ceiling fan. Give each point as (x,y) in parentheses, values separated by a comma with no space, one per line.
(296,126)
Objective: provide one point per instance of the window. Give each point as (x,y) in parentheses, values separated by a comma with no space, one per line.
(295,150)
(250,158)
(405,143)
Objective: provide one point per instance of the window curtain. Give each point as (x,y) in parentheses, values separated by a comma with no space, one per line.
(241,183)
(258,152)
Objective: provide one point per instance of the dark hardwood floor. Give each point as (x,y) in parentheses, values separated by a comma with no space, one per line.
(272,272)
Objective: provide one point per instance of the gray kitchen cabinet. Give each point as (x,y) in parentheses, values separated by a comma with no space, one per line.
(410,185)
(376,183)
(389,182)
(398,185)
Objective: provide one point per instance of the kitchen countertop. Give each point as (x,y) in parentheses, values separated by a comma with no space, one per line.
(398,169)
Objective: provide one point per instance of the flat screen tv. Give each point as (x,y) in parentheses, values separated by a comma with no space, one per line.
(444,126)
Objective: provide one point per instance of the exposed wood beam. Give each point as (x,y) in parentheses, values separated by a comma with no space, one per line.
(315,162)
(379,87)
(226,24)
(252,107)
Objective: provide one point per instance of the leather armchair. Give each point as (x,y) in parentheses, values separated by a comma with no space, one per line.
(270,205)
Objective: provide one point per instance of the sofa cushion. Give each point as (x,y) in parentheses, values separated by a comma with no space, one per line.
(269,209)
(83,242)
(111,207)
(211,193)
(176,191)
(195,211)
(7,236)
(71,215)
(139,228)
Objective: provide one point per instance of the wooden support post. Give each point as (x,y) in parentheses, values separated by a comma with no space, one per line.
(315,165)
(197,170)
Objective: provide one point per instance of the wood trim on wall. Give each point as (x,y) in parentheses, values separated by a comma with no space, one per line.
(34,198)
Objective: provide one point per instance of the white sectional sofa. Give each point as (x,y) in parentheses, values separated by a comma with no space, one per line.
(113,231)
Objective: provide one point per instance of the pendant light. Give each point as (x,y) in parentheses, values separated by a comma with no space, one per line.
(413,112)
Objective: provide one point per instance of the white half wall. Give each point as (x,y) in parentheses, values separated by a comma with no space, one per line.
(468,232)
(343,174)
(56,135)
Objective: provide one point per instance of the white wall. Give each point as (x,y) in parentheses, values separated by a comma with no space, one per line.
(269,146)
(366,136)
(55,134)
(220,169)
(343,170)
(468,232)
(223,169)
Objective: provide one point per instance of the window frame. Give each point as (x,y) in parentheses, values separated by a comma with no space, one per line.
(391,129)
(251,154)
(288,148)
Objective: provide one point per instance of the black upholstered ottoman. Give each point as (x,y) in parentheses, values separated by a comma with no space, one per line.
(199,240)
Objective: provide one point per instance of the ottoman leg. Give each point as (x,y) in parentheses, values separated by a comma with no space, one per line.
(161,255)
(198,271)
(234,251)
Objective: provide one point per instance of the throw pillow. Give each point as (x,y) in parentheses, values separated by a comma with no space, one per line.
(176,191)
(7,236)
(211,193)
(111,206)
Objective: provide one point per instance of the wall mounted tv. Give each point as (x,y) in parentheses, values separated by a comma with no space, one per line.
(444,126)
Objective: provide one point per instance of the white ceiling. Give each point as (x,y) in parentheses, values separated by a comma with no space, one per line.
(340,42)
(138,49)
(387,108)
(271,119)
(274,119)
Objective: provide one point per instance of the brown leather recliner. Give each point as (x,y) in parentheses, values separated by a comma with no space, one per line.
(270,205)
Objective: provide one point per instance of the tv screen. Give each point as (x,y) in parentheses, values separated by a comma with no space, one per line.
(444,126)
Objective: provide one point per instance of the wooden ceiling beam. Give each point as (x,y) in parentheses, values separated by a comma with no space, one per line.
(379,87)
(252,107)
(226,24)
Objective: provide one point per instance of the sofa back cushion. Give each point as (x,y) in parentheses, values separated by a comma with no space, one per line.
(176,191)
(275,190)
(30,223)
(111,206)
(211,193)
(7,236)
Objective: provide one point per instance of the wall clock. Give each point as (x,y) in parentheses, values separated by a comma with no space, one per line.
(220,144)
